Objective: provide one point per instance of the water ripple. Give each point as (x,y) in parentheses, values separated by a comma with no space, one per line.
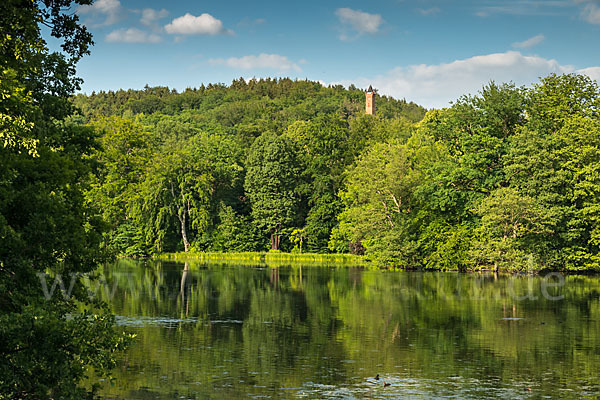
(168,321)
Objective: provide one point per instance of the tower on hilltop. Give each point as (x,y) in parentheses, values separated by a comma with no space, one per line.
(370,100)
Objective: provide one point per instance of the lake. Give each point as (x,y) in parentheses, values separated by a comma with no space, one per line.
(308,332)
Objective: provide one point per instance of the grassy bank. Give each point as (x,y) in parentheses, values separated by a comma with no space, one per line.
(267,258)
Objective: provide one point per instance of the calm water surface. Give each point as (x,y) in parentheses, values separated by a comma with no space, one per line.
(223,332)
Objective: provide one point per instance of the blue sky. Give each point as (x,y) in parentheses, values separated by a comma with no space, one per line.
(427,51)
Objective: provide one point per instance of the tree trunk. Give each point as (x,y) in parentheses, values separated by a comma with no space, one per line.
(182,219)
(275,241)
(181,214)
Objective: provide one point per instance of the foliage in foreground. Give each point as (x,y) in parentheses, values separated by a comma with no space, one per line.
(48,344)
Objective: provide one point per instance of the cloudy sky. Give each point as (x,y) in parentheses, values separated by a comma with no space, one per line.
(427,51)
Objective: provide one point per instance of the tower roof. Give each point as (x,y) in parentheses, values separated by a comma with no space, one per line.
(370,89)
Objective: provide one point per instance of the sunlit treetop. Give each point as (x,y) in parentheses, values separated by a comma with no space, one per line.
(30,75)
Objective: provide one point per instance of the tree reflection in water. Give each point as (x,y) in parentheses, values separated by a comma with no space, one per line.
(322,332)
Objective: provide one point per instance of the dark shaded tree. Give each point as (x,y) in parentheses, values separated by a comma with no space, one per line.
(47,343)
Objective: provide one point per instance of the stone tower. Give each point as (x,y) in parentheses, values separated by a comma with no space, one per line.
(370,101)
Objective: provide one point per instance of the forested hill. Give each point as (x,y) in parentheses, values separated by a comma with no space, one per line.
(506,178)
(271,103)
(246,167)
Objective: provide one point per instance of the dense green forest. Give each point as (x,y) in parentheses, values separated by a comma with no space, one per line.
(248,167)
(506,178)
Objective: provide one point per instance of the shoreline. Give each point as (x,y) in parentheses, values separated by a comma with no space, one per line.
(267,258)
(276,259)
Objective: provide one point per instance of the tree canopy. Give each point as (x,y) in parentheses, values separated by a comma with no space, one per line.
(504,178)
(273,155)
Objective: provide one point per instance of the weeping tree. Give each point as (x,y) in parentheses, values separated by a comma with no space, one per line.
(185,183)
(178,187)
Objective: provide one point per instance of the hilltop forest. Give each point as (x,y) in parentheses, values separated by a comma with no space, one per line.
(508,178)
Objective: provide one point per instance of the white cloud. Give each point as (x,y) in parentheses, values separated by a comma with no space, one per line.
(110,10)
(437,85)
(204,24)
(592,72)
(150,16)
(132,35)
(532,41)
(429,11)
(591,13)
(262,61)
(360,21)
